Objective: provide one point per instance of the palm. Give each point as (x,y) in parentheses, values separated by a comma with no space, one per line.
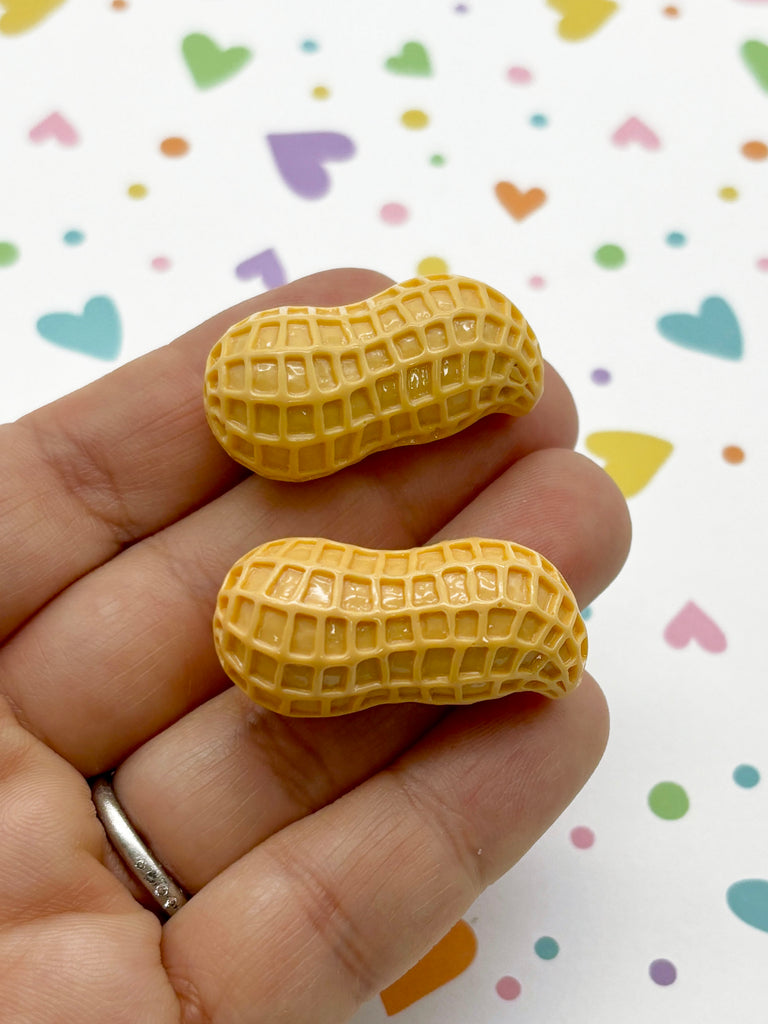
(327,854)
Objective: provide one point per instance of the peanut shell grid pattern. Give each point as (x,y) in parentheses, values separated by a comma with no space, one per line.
(300,392)
(312,627)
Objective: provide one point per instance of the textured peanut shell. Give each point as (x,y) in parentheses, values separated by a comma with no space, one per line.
(300,392)
(313,627)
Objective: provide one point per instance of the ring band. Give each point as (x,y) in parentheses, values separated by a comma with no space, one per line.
(133,850)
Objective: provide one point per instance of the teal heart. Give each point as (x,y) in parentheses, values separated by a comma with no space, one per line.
(413,59)
(714,331)
(748,900)
(96,332)
(209,64)
(755,56)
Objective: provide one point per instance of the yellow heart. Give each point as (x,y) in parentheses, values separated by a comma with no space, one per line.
(21,15)
(632,460)
(581,18)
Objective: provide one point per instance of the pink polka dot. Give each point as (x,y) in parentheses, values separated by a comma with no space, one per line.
(393,213)
(161,263)
(762,263)
(582,838)
(537,281)
(508,987)
(520,76)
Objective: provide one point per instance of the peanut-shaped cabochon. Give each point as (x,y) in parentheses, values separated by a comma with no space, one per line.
(312,627)
(300,392)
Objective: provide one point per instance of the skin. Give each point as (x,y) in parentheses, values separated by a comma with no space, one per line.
(325,857)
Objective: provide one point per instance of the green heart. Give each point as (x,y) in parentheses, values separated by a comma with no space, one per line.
(210,65)
(413,59)
(755,56)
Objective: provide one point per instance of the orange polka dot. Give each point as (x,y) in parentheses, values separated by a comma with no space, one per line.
(755,150)
(733,454)
(174,146)
(671,12)
(119,5)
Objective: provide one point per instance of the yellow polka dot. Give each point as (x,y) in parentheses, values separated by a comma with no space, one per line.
(320,92)
(729,193)
(432,265)
(137,191)
(415,119)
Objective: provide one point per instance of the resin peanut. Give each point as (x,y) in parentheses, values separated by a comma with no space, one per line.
(313,627)
(300,392)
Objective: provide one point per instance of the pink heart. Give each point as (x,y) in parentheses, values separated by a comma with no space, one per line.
(55,126)
(691,623)
(634,130)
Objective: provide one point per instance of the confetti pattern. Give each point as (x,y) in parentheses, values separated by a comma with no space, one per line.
(580,156)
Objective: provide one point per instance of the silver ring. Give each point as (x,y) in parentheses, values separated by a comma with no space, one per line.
(138,858)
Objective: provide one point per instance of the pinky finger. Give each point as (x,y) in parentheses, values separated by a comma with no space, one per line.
(326,913)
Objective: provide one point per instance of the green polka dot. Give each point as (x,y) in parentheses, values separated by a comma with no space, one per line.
(438,160)
(669,801)
(610,256)
(8,254)
(546,947)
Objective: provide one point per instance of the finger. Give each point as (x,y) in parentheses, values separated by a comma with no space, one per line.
(339,904)
(122,457)
(133,647)
(234,774)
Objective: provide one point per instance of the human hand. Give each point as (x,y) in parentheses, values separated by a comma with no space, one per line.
(324,856)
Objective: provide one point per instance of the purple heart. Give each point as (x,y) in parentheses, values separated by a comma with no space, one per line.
(265,265)
(300,156)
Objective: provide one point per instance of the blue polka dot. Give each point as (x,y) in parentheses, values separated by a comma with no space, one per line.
(676,239)
(539,120)
(74,237)
(546,947)
(746,776)
(310,46)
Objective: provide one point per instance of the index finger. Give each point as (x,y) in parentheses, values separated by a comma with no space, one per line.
(123,457)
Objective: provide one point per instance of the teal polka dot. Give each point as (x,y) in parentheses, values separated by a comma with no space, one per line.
(74,237)
(746,776)
(546,947)
(676,239)
(539,120)
(310,46)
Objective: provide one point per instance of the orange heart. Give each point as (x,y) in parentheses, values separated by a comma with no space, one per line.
(519,204)
(444,962)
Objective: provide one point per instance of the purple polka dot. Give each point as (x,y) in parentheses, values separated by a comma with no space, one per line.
(518,75)
(508,987)
(582,837)
(161,263)
(461,8)
(601,376)
(663,972)
(393,213)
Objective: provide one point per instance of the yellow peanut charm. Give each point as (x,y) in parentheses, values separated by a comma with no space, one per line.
(313,627)
(300,392)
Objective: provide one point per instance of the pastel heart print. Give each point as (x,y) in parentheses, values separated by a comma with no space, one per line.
(413,59)
(300,157)
(755,56)
(691,623)
(748,899)
(519,204)
(96,332)
(208,64)
(635,130)
(22,15)
(582,18)
(715,331)
(632,460)
(57,127)
(447,960)
(265,265)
